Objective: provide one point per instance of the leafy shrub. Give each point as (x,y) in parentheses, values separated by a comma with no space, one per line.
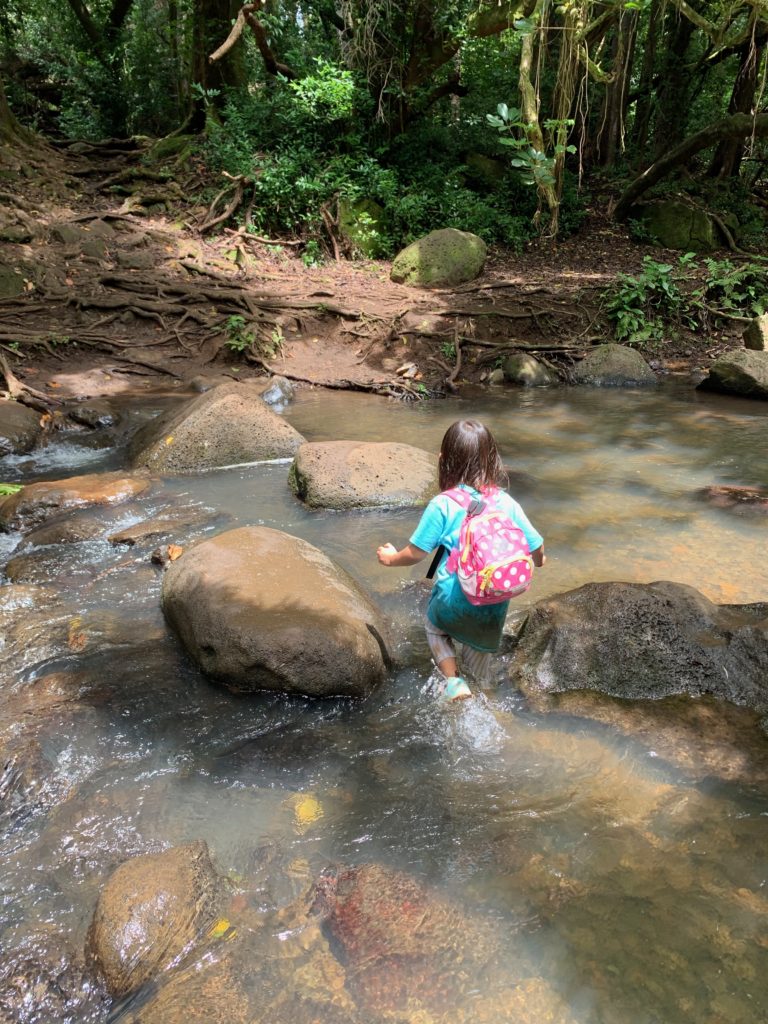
(642,307)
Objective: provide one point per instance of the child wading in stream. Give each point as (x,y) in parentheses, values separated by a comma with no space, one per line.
(471,477)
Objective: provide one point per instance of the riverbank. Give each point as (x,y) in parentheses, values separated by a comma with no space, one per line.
(105,289)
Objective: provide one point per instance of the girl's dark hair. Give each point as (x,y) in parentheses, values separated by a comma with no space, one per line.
(468,455)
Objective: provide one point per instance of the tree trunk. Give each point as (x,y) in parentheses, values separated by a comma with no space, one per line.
(645,88)
(610,137)
(737,126)
(726,162)
(672,95)
(211,25)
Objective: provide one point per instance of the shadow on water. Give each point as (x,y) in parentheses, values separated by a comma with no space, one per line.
(615,851)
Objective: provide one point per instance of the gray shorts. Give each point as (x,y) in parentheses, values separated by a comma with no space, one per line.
(477,664)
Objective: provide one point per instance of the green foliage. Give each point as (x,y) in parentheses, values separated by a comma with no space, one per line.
(6,489)
(739,289)
(536,168)
(642,307)
(664,297)
(327,96)
(240,337)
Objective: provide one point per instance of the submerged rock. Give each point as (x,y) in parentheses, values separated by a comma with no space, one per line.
(441,258)
(742,500)
(614,366)
(39,501)
(227,425)
(152,909)
(644,641)
(20,428)
(739,372)
(400,944)
(359,474)
(259,609)
(42,982)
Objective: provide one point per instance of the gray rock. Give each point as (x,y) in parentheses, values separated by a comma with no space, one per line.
(359,474)
(259,609)
(496,377)
(756,334)
(228,425)
(20,428)
(614,366)
(441,258)
(740,372)
(93,414)
(67,234)
(278,391)
(645,641)
(150,911)
(524,369)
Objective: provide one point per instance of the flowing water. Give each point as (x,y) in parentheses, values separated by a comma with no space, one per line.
(625,887)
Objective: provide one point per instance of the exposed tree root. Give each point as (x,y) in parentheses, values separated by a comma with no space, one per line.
(24,393)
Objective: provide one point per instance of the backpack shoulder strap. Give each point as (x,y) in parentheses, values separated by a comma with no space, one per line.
(471,504)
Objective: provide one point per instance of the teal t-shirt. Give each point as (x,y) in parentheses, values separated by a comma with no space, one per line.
(479,626)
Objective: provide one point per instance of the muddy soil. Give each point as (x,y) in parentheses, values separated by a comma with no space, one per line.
(107,283)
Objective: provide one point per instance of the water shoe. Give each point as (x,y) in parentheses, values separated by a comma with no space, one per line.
(451,689)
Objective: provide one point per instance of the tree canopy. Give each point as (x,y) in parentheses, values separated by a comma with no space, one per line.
(497,115)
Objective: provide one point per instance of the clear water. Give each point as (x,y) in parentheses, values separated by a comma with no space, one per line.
(628,889)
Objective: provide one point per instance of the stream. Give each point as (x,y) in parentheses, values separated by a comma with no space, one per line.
(630,890)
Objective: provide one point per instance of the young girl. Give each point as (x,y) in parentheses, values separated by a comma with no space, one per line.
(468,459)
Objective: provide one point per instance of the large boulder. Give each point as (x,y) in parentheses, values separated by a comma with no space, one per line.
(20,428)
(441,258)
(359,474)
(614,366)
(259,609)
(35,503)
(645,641)
(151,910)
(677,225)
(739,372)
(223,427)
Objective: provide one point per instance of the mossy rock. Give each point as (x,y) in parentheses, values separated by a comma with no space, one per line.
(483,172)
(359,222)
(614,366)
(444,257)
(677,225)
(11,283)
(170,146)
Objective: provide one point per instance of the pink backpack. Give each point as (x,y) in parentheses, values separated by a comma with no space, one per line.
(493,560)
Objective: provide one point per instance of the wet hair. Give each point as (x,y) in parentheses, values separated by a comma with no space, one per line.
(468,455)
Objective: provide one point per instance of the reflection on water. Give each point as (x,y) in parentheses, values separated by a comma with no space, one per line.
(617,886)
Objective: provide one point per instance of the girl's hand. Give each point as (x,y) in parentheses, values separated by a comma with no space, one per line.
(385,553)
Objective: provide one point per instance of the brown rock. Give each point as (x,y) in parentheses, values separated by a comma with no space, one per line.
(20,428)
(227,425)
(39,501)
(259,609)
(151,910)
(359,474)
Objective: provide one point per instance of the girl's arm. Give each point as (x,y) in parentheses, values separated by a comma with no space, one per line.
(538,557)
(409,555)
